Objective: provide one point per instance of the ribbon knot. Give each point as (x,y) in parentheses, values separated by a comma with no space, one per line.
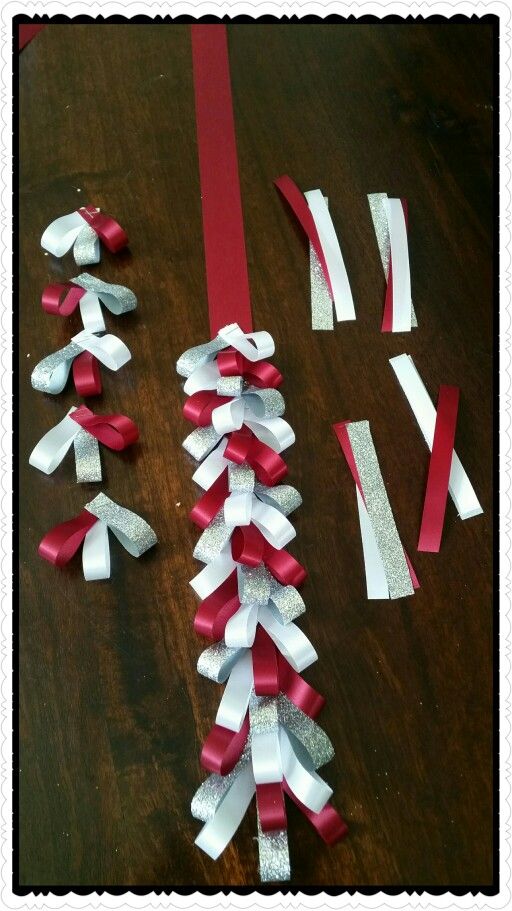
(83,353)
(88,292)
(82,231)
(91,527)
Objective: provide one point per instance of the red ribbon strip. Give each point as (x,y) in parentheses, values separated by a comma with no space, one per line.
(261,373)
(387,315)
(107,228)
(264,664)
(222,748)
(248,546)
(214,612)
(61,543)
(209,504)
(328,823)
(223,229)
(86,374)
(271,808)
(26,33)
(244,446)
(307,699)
(340,430)
(199,406)
(61,299)
(302,212)
(113,430)
(436,493)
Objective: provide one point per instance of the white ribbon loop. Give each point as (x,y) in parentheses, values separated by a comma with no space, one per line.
(51,374)
(289,639)
(240,629)
(53,446)
(255,346)
(265,749)
(108,349)
(204,377)
(96,553)
(64,233)
(235,699)
(310,789)
(218,831)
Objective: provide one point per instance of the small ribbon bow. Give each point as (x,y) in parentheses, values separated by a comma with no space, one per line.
(82,428)
(87,292)
(91,527)
(82,230)
(83,353)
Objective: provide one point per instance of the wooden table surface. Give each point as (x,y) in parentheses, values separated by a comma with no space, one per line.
(112,710)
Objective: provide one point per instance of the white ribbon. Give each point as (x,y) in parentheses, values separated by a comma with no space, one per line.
(342,294)
(72,231)
(310,789)
(235,699)
(376,582)
(53,446)
(293,644)
(460,487)
(213,574)
(96,553)
(218,831)
(50,375)
(402,303)
(255,346)
(130,529)
(115,298)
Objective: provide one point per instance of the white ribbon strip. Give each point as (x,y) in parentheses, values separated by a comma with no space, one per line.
(310,789)
(342,294)
(96,553)
(235,699)
(255,346)
(402,302)
(205,376)
(266,756)
(108,349)
(460,487)
(61,234)
(289,639)
(218,832)
(376,582)
(51,449)
(212,467)
(240,629)
(213,574)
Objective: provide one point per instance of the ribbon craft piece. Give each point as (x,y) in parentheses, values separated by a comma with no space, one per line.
(85,430)
(389,572)
(88,293)
(390,220)
(84,353)
(83,230)
(438,478)
(459,486)
(91,527)
(264,742)
(330,286)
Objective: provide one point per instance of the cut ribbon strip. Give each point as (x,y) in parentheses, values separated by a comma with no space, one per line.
(82,230)
(88,292)
(390,220)
(389,573)
(461,490)
(82,428)
(439,470)
(83,353)
(91,527)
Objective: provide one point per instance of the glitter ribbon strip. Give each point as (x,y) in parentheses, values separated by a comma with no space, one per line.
(460,487)
(390,220)
(82,428)
(389,573)
(84,353)
(82,230)
(91,527)
(87,292)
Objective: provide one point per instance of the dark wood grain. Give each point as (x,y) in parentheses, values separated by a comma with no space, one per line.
(112,711)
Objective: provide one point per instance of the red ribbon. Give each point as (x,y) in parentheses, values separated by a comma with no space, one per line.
(301,210)
(26,33)
(198,407)
(264,664)
(214,612)
(61,543)
(113,430)
(248,546)
(271,808)
(209,504)
(328,822)
(223,228)
(387,315)
(110,231)
(61,299)
(261,374)
(439,469)
(307,699)
(86,374)
(244,446)
(222,748)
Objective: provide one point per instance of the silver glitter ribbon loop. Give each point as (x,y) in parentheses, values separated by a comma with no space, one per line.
(115,298)
(201,442)
(287,601)
(86,248)
(254,584)
(241,478)
(284,497)
(213,539)
(217,661)
(198,356)
(51,374)
(131,530)
(87,457)
(306,732)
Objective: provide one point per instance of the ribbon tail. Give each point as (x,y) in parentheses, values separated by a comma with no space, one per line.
(96,553)
(218,832)
(87,457)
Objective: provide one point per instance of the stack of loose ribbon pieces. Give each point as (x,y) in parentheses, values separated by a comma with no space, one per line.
(265,740)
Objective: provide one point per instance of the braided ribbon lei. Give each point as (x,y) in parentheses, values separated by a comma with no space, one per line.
(265,740)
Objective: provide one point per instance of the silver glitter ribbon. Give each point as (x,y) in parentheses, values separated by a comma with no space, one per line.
(217,661)
(87,457)
(131,530)
(380,224)
(116,298)
(213,539)
(51,374)
(379,511)
(274,856)
(198,356)
(86,248)
(201,441)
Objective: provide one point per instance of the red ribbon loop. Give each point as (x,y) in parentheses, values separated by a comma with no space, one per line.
(248,546)
(214,612)
(328,822)
(307,699)
(112,234)
(261,374)
(211,501)
(264,664)
(113,430)
(86,374)
(271,808)
(61,543)
(222,748)
(61,299)
(244,446)
(199,406)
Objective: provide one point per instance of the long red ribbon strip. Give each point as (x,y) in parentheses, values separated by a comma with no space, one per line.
(439,469)
(223,228)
